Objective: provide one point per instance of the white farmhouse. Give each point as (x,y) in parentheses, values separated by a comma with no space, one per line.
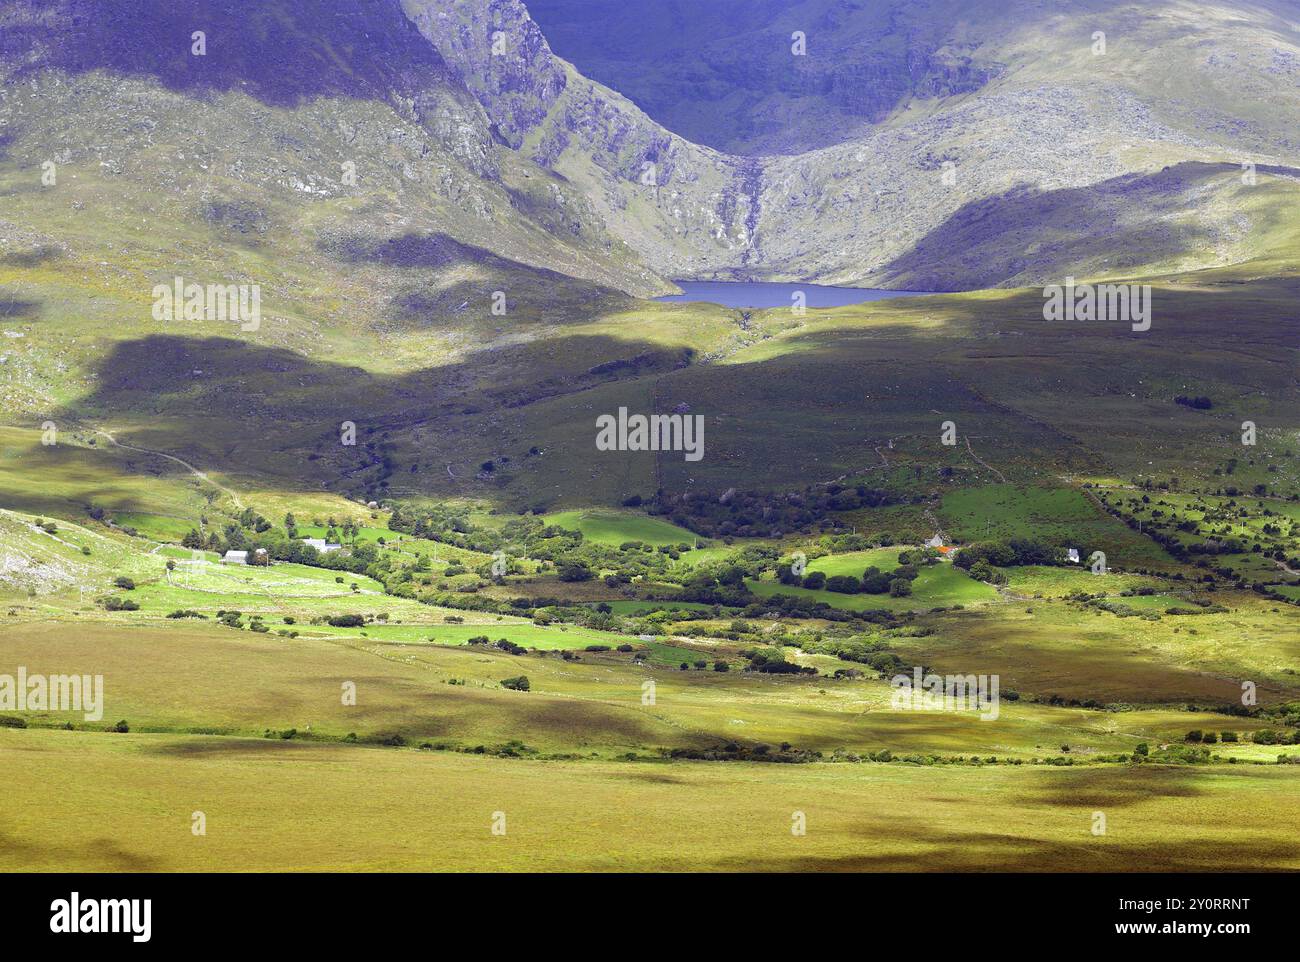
(235,558)
(321,545)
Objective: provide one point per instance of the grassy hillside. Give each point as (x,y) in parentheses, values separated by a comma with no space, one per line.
(534,625)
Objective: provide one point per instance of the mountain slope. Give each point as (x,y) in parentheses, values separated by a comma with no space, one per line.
(312,118)
(908,123)
(335,164)
(902,120)
(479,173)
(686,209)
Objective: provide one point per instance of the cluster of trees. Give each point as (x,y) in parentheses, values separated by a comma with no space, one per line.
(983,560)
(761,514)
(528,536)
(1265,736)
(504,644)
(771,661)
(897,583)
(251,531)
(885,663)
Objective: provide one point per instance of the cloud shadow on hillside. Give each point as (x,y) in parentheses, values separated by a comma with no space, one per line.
(242,408)
(280,52)
(427,301)
(989,240)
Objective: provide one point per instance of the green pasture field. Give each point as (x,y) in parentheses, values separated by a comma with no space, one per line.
(1055,582)
(609,527)
(717,552)
(1059,515)
(855,562)
(937,585)
(365,534)
(157,527)
(673,656)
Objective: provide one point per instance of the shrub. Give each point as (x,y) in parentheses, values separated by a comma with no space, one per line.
(574,571)
(347,621)
(124,582)
(874,581)
(516,684)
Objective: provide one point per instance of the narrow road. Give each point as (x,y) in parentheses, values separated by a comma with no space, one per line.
(971,452)
(239,505)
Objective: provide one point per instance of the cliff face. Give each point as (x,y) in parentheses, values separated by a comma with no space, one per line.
(856,62)
(875,154)
(686,209)
(500,56)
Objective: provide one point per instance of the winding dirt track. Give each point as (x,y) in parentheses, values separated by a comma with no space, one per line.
(971,452)
(182,462)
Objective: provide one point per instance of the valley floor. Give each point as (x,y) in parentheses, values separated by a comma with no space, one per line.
(99,802)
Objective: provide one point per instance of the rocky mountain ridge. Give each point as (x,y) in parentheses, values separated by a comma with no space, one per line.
(962,106)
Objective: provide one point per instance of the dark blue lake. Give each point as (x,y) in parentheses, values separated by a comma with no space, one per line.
(759,294)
